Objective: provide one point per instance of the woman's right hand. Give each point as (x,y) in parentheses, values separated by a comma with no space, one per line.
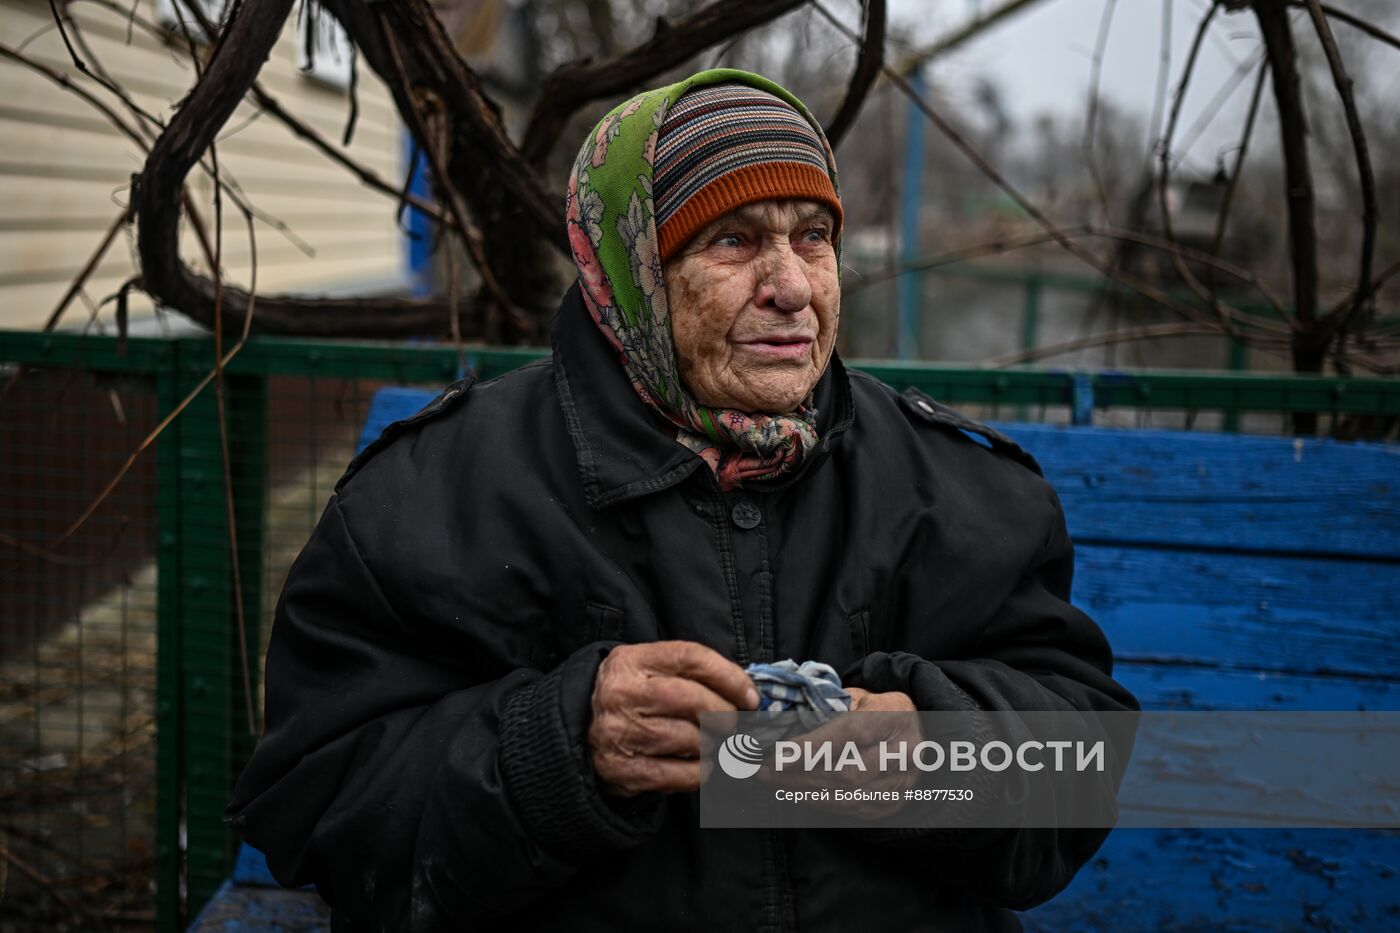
(647,701)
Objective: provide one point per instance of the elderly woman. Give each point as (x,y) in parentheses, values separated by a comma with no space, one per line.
(488,663)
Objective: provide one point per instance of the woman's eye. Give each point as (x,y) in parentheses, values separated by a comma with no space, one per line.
(815,235)
(731,240)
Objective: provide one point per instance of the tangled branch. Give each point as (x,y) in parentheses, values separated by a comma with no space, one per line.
(569,87)
(868,62)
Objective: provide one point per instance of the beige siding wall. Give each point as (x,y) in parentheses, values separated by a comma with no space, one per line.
(65,172)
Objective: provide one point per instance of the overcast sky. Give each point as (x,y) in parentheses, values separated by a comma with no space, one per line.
(1041,59)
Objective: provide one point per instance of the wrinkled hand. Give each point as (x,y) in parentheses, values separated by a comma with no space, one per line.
(647,701)
(894,702)
(867,732)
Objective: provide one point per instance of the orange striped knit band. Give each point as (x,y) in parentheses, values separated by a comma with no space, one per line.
(723,146)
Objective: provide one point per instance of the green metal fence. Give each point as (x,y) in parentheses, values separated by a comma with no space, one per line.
(124,693)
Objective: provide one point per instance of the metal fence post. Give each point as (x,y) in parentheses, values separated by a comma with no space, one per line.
(911,281)
(1030,323)
(1239,361)
(199,623)
(170,783)
(1082,408)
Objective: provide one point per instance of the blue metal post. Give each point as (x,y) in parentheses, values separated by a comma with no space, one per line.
(1082,405)
(911,283)
(1030,324)
(419,241)
(1239,362)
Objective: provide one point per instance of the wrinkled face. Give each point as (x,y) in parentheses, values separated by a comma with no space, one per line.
(754,303)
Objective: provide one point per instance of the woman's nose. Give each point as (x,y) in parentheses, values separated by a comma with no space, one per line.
(783,285)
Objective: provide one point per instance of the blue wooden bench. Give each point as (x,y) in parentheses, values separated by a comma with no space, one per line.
(1230,572)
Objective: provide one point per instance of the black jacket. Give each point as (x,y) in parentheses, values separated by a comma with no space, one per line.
(434,650)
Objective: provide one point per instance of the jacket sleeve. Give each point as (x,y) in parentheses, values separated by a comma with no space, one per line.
(410,796)
(1037,652)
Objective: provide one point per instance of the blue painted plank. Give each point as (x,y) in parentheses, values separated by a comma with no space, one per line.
(251,868)
(1275,613)
(1146,880)
(389,405)
(1273,494)
(239,909)
(1231,880)
(1177,687)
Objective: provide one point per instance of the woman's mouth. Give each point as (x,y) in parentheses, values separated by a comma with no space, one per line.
(786,348)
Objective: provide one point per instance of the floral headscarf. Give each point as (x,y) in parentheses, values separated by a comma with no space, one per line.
(612,231)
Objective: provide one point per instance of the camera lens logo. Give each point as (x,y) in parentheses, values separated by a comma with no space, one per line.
(740,756)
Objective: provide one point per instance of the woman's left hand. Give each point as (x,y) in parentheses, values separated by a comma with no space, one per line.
(894,702)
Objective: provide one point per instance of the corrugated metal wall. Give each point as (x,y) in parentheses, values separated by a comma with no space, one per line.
(65,172)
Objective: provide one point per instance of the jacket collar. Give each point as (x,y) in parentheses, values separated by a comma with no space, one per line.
(625,448)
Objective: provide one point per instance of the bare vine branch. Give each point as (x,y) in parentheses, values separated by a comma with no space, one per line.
(962,35)
(435,146)
(1227,199)
(571,86)
(1337,324)
(1004,245)
(1354,21)
(157,200)
(1057,234)
(1283,64)
(1091,118)
(1222,311)
(1144,332)
(68,84)
(871,57)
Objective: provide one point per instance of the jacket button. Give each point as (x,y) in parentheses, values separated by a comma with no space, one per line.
(746,515)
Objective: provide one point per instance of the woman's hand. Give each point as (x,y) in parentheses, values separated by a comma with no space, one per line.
(865,734)
(894,702)
(647,701)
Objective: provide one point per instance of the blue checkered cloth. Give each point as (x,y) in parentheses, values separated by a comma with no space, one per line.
(811,689)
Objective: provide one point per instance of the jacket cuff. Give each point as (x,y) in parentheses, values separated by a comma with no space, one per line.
(547,770)
(932,691)
(921,680)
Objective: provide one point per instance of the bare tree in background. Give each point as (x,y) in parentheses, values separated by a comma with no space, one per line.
(496,191)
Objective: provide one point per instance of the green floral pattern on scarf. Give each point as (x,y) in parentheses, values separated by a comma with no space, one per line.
(612,231)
